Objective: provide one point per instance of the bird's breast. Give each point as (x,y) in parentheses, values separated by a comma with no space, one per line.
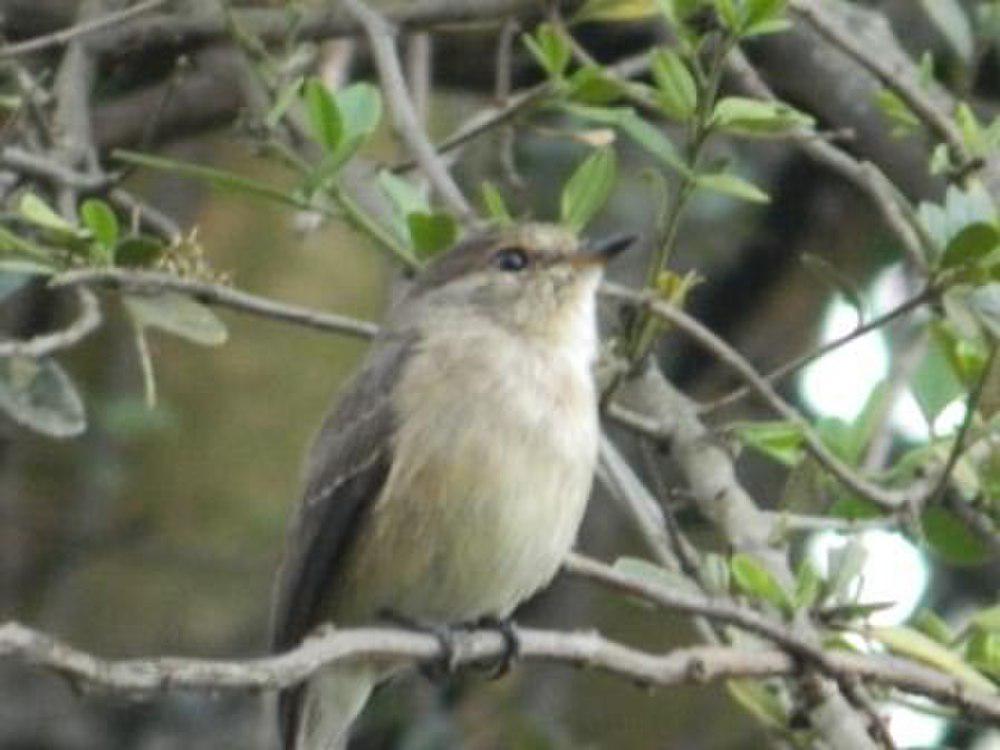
(492,466)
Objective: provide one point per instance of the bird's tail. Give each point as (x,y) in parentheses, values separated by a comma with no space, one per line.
(327,706)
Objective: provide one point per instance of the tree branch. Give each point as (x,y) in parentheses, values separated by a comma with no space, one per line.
(87,321)
(151,282)
(381,37)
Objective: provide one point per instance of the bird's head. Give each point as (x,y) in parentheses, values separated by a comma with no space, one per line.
(535,279)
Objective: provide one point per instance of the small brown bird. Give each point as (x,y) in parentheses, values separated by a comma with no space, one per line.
(449,482)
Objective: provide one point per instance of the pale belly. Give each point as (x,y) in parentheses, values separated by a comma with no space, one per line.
(481,507)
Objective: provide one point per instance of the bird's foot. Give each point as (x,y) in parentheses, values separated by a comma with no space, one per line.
(512,644)
(440,667)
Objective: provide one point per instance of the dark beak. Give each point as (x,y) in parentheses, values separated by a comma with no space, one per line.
(602,251)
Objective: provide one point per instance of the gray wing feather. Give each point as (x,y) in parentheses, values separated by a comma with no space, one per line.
(348,465)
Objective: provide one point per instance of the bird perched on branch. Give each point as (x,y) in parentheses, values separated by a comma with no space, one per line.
(449,482)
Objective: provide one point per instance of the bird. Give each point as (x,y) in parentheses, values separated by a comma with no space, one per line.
(450,479)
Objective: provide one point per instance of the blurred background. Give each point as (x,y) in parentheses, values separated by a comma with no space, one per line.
(158,531)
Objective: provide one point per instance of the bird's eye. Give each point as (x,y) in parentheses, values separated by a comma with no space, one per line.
(511,259)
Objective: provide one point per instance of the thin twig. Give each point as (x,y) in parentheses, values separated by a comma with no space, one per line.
(77,31)
(151,282)
(382,40)
(793,366)
(886,499)
(831,28)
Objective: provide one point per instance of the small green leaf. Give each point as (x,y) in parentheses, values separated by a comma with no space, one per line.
(951,540)
(761,702)
(588,189)
(931,625)
(615,10)
(405,198)
(756,581)
(677,92)
(592,85)
(845,566)
(550,48)
(495,205)
(431,233)
(39,213)
(983,652)
(324,115)
(808,586)
(972,243)
(781,441)
(360,108)
(178,315)
(985,304)
(899,114)
(138,250)
(100,219)
(988,619)
(731,185)
(916,645)
(765,17)
(40,395)
(935,384)
(755,117)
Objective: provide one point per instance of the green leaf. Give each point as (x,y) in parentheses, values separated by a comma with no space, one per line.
(39,213)
(987,619)
(100,219)
(755,117)
(615,10)
(550,48)
(765,17)
(40,395)
(360,108)
(898,113)
(731,185)
(592,85)
(179,315)
(645,135)
(138,250)
(985,303)
(983,652)
(951,540)
(678,94)
(761,702)
(588,189)
(935,384)
(324,115)
(431,233)
(495,205)
(931,625)
(972,243)
(916,645)
(808,586)
(781,441)
(754,580)
(405,198)
(845,566)
(216,177)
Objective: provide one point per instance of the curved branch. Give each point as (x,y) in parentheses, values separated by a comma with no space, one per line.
(86,323)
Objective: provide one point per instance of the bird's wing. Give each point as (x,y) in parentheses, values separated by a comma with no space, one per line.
(348,466)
